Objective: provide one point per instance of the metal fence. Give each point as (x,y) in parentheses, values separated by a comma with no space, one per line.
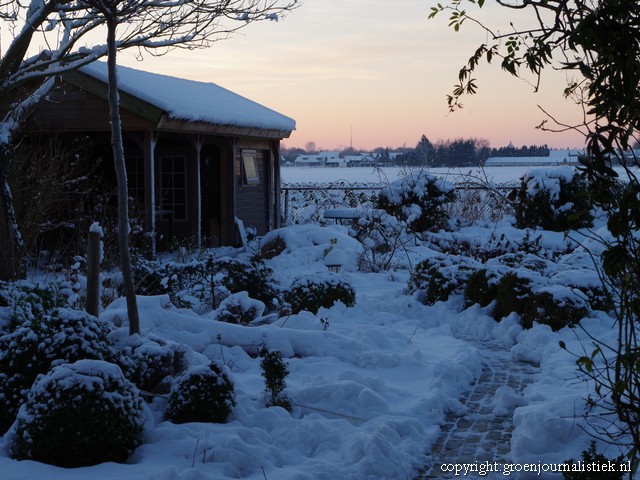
(306,204)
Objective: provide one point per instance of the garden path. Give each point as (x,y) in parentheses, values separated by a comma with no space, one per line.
(479,434)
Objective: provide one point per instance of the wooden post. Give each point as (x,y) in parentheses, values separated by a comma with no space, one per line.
(93,273)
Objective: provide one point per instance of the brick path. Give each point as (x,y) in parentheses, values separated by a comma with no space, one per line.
(478,435)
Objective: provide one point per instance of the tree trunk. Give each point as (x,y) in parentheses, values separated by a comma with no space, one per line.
(121,175)
(10,244)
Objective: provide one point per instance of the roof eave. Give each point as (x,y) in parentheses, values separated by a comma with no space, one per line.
(167,123)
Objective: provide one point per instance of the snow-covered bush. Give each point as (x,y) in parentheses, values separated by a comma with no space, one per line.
(512,295)
(555,199)
(557,311)
(418,200)
(481,287)
(153,362)
(254,277)
(79,414)
(207,282)
(239,308)
(25,301)
(313,291)
(203,393)
(382,236)
(33,348)
(434,279)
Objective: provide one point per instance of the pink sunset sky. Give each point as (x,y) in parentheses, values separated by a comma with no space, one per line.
(379,69)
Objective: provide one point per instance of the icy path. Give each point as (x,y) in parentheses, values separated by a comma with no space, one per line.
(483,431)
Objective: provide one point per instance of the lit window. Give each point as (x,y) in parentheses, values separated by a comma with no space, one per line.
(250,164)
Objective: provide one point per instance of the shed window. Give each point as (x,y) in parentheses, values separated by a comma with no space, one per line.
(250,167)
(173,186)
(135,177)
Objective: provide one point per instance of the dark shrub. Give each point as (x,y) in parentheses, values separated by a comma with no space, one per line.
(481,288)
(436,278)
(555,199)
(272,248)
(25,302)
(311,292)
(274,372)
(251,277)
(203,393)
(80,414)
(154,362)
(512,295)
(417,199)
(591,456)
(239,308)
(544,308)
(37,345)
(207,281)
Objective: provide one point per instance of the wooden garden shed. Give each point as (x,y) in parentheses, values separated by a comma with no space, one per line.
(201,160)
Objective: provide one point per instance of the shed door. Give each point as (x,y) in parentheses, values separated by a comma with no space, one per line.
(210,191)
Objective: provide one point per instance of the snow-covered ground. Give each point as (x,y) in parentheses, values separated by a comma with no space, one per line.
(370,383)
(384,175)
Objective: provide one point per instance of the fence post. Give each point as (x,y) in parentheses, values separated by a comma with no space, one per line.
(93,272)
(286,206)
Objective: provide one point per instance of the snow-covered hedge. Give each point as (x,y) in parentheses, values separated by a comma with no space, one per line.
(204,393)
(80,414)
(418,200)
(555,199)
(313,291)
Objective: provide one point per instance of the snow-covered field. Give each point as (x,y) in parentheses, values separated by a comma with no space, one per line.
(371,384)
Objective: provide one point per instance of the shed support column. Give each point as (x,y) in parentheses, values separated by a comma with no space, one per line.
(149,146)
(199,141)
(276,186)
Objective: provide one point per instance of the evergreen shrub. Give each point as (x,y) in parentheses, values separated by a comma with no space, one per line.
(37,345)
(311,292)
(512,294)
(274,372)
(79,414)
(554,199)
(544,308)
(203,393)
(207,281)
(434,279)
(239,308)
(418,200)
(481,288)
(153,362)
(591,456)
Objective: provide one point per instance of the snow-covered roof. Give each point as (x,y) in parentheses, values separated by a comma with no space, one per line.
(556,157)
(193,101)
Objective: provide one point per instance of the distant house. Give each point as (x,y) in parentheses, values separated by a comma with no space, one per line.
(200,158)
(308,161)
(556,157)
(361,160)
